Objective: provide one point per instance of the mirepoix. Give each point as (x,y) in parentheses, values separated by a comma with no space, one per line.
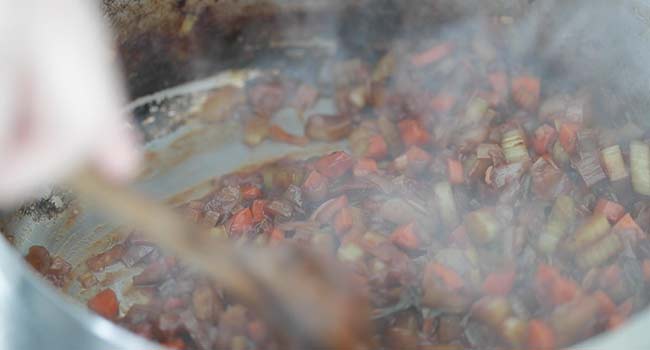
(478,205)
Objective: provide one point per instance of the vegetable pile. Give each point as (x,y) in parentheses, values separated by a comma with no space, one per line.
(476,206)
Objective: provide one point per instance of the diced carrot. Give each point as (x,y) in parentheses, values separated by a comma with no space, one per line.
(276,236)
(443,102)
(241,221)
(175,343)
(257,210)
(607,306)
(377,148)
(449,277)
(364,166)
(563,290)
(540,336)
(105,304)
(627,225)
(334,164)
(545,280)
(455,171)
(315,186)
(612,210)
(499,82)
(615,321)
(412,133)
(526,91)
(499,283)
(646,270)
(250,192)
(546,275)
(278,134)
(567,135)
(432,55)
(544,139)
(405,237)
(343,221)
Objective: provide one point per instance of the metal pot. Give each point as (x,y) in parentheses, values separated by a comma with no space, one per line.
(166,43)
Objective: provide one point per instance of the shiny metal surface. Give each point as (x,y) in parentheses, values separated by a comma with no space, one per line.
(34,316)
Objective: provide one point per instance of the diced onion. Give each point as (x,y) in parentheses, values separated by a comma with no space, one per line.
(600,252)
(559,221)
(640,167)
(482,225)
(446,203)
(514,146)
(614,164)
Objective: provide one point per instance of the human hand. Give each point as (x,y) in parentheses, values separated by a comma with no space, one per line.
(60,97)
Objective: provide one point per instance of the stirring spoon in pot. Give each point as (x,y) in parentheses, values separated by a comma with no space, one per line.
(305,296)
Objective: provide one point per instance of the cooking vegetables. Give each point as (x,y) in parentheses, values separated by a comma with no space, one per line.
(612,159)
(640,167)
(105,304)
(473,204)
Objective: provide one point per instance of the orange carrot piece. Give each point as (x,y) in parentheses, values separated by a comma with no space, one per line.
(377,147)
(405,237)
(241,222)
(364,167)
(105,304)
(443,102)
(567,135)
(343,221)
(626,226)
(526,91)
(434,54)
(334,164)
(607,306)
(612,210)
(175,343)
(449,277)
(540,336)
(250,192)
(564,290)
(412,133)
(257,210)
(278,134)
(544,138)
(546,275)
(276,236)
(499,283)
(455,171)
